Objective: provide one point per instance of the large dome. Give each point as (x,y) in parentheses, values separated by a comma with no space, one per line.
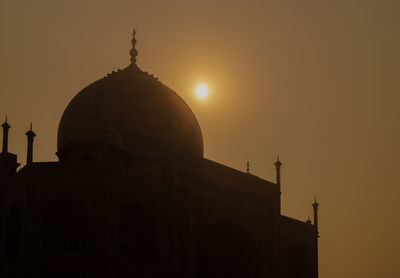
(149,117)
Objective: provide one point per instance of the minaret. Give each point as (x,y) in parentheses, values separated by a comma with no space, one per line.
(315,207)
(248,167)
(6,127)
(30,135)
(8,161)
(278,165)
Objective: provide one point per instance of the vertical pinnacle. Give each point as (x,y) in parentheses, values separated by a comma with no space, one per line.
(133,51)
(308,219)
(278,165)
(30,135)
(248,167)
(315,208)
(5,127)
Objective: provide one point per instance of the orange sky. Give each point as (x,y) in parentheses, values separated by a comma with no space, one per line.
(315,81)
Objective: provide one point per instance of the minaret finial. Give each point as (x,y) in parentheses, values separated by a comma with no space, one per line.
(308,219)
(278,165)
(30,135)
(315,206)
(133,51)
(6,127)
(248,167)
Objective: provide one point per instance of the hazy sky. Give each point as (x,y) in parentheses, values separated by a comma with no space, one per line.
(315,81)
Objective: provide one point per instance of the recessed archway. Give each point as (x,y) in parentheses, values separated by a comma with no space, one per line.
(137,232)
(225,249)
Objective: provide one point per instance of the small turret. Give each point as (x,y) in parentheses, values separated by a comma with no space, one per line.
(308,220)
(315,207)
(278,165)
(29,155)
(6,127)
(8,161)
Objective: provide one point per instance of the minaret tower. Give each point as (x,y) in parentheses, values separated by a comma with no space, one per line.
(29,155)
(278,165)
(8,161)
(248,167)
(6,127)
(315,207)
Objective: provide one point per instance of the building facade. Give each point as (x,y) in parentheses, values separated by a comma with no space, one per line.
(133,197)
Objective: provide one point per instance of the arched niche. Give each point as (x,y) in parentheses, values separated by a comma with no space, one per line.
(225,249)
(137,235)
(64,227)
(298,261)
(12,241)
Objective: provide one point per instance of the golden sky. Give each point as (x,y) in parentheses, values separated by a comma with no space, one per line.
(315,81)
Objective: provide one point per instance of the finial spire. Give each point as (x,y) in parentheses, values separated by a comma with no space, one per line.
(6,127)
(133,51)
(30,135)
(315,206)
(248,167)
(278,165)
(308,219)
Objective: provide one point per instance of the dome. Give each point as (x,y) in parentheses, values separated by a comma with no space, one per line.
(96,131)
(145,116)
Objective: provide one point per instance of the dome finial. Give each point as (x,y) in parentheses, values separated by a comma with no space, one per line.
(133,51)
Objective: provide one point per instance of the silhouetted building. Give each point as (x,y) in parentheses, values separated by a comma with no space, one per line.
(132,197)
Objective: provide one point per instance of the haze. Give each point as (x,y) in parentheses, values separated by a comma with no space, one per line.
(315,81)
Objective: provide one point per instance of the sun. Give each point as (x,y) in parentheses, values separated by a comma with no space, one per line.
(201,91)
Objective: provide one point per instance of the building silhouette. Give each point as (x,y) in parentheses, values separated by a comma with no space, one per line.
(133,197)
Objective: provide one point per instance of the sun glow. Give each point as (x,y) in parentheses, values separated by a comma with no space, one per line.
(201,91)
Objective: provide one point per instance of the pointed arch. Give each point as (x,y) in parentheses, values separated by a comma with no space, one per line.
(64,228)
(137,232)
(226,250)
(13,233)
(298,261)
